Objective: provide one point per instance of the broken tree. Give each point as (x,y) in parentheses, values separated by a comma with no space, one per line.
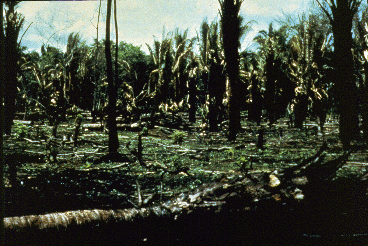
(286,206)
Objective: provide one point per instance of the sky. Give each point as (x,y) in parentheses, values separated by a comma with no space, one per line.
(139,21)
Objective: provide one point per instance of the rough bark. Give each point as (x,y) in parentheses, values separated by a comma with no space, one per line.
(228,211)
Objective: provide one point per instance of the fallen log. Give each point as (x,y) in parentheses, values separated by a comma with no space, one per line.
(244,209)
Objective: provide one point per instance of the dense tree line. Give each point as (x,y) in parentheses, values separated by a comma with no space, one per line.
(303,67)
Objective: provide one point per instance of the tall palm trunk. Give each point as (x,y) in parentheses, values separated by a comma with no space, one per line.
(13,25)
(216,91)
(341,20)
(270,93)
(347,89)
(192,99)
(364,98)
(2,79)
(116,46)
(230,28)
(112,94)
(256,106)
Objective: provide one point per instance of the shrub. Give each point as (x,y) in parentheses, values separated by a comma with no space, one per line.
(21,131)
(144,131)
(178,137)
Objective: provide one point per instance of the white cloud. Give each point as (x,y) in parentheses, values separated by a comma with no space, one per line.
(267,8)
(138,20)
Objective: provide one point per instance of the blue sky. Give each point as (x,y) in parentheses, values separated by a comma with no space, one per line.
(139,20)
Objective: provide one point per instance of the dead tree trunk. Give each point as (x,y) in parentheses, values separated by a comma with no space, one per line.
(251,207)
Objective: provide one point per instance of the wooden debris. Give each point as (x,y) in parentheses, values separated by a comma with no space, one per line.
(232,198)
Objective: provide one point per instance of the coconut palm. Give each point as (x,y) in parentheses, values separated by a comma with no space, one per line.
(309,53)
(193,78)
(45,78)
(96,73)
(2,79)
(216,77)
(182,47)
(249,66)
(340,14)
(231,30)
(272,53)
(78,60)
(159,53)
(112,93)
(204,53)
(361,52)
(212,72)
(160,82)
(13,24)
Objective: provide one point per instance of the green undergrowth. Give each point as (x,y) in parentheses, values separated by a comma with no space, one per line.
(173,161)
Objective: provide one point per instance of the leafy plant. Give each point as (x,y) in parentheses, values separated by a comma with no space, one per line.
(178,137)
(144,131)
(21,131)
(79,119)
(230,153)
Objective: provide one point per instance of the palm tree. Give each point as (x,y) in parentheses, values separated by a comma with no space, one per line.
(216,77)
(112,94)
(193,78)
(361,52)
(183,47)
(231,29)
(159,84)
(204,53)
(116,47)
(14,23)
(212,72)
(309,54)
(250,68)
(279,90)
(78,61)
(231,32)
(96,72)
(341,20)
(44,78)
(2,80)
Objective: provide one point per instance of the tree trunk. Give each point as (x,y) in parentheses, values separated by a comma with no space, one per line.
(216,91)
(270,93)
(347,92)
(192,99)
(2,82)
(346,89)
(364,111)
(234,108)
(230,28)
(230,211)
(10,83)
(112,93)
(255,110)
(301,110)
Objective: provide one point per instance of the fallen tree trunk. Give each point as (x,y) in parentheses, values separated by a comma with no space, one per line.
(243,209)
